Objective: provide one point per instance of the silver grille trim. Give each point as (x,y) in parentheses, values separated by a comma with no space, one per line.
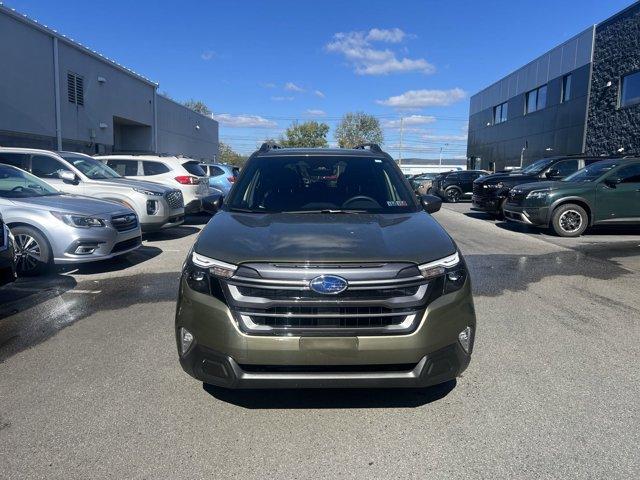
(252,327)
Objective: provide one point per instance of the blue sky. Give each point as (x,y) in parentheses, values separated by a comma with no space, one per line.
(259,65)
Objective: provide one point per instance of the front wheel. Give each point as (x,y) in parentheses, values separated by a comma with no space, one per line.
(569,220)
(33,253)
(453,195)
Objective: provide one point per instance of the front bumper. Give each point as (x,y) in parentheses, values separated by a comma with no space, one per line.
(538,216)
(491,204)
(218,369)
(109,244)
(222,354)
(7,259)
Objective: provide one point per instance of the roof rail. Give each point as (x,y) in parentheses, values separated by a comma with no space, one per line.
(374,147)
(266,146)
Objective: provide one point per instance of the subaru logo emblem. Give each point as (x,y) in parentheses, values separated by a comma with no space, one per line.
(328,284)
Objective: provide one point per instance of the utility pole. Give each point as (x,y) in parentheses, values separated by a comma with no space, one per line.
(441,148)
(401,135)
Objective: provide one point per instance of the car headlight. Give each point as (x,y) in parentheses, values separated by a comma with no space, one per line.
(144,191)
(494,186)
(538,194)
(452,268)
(79,221)
(203,274)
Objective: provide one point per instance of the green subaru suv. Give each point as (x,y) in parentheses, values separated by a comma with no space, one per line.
(604,193)
(323,269)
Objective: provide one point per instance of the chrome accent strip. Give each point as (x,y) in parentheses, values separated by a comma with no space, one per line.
(517,217)
(446,262)
(206,262)
(328,315)
(304,284)
(264,302)
(251,326)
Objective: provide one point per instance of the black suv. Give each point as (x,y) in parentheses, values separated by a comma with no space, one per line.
(454,186)
(491,192)
(323,269)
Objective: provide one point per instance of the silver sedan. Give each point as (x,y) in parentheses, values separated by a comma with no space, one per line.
(54,228)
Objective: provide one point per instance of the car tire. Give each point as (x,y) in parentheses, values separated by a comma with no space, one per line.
(32,251)
(569,220)
(453,194)
(429,191)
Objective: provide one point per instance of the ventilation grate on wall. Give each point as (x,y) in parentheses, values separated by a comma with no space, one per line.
(75,88)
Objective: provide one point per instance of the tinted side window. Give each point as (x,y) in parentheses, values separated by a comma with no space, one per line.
(566,167)
(215,171)
(126,168)
(630,173)
(194,169)
(154,168)
(46,167)
(15,159)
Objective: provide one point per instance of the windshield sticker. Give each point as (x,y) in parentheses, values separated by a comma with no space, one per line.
(397,203)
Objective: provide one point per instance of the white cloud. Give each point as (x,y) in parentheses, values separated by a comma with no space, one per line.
(292,87)
(424,98)
(207,55)
(279,98)
(318,93)
(244,121)
(394,35)
(359,51)
(410,121)
(316,112)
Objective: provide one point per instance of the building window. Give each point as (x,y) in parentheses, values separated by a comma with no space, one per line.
(75,88)
(500,113)
(630,94)
(566,88)
(536,99)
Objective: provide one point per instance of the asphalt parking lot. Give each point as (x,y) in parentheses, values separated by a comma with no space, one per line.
(91,386)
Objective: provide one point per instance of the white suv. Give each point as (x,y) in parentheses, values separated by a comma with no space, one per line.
(178,172)
(157,206)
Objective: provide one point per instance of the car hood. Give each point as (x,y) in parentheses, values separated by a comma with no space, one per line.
(249,237)
(127,182)
(72,204)
(548,185)
(506,178)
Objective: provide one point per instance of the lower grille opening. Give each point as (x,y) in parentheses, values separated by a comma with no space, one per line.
(320,322)
(400,367)
(126,245)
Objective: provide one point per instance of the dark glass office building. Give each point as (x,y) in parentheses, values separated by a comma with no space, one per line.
(582,97)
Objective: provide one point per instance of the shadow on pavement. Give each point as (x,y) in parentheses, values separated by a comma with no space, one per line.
(172,233)
(331,398)
(123,262)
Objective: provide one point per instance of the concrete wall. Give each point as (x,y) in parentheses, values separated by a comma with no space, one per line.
(617,53)
(121,95)
(178,132)
(119,113)
(26,81)
(560,126)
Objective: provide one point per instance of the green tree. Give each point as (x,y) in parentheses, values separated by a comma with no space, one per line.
(227,155)
(198,106)
(357,128)
(306,134)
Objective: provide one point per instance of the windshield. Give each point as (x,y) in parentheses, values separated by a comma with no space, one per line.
(537,167)
(15,183)
(322,184)
(592,172)
(92,168)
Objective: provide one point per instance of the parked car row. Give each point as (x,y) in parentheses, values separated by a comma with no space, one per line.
(67,207)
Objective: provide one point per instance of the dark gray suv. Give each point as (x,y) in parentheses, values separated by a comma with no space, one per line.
(323,269)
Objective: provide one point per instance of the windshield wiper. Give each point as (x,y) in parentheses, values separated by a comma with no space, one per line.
(242,210)
(325,210)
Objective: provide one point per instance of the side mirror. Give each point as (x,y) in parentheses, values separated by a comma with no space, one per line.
(431,203)
(68,177)
(612,182)
(212,203)
(553,173)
